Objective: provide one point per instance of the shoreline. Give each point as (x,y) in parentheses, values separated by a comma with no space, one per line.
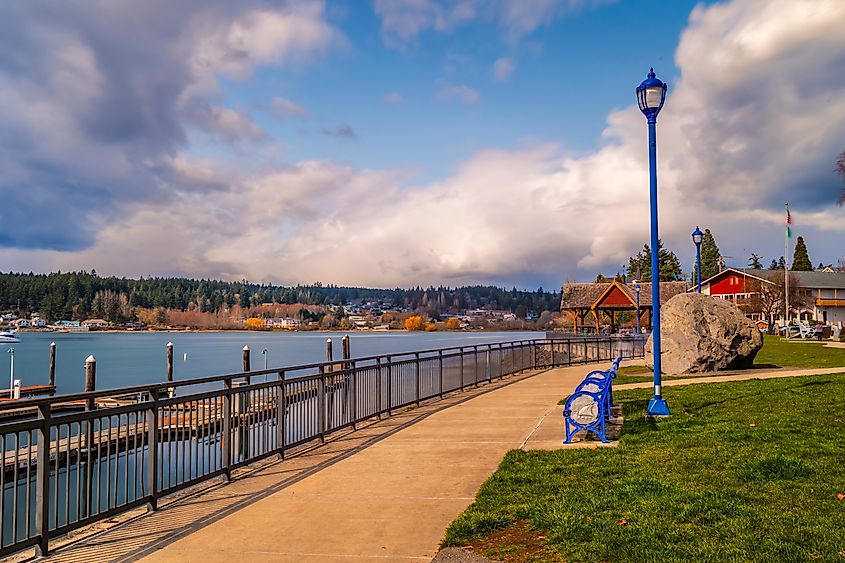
(283,331)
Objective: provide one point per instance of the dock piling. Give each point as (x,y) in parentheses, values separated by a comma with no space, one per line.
(344,344)
(246,362)
(90,375)
(52,378)
(169,361)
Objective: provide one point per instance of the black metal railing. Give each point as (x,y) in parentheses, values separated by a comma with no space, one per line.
(72,460)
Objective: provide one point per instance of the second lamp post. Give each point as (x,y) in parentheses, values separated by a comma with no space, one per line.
(697,237)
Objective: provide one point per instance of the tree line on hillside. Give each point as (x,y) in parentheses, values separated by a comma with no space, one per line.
(81,295)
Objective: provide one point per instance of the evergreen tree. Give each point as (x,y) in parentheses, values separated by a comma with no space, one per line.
(801,260)
(773,265)
(781,265)
(668,263)
(756,261)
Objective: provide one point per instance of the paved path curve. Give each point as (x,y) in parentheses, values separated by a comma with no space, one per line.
(384,493)
(393,500)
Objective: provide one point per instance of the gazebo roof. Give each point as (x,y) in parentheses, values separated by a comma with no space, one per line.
(592,295)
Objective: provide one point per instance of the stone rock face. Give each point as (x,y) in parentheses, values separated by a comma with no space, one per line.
(700,333)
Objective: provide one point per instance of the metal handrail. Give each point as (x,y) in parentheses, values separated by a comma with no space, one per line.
(70,469)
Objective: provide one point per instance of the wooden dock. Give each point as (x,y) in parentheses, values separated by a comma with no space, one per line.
(181,421)
(30,391)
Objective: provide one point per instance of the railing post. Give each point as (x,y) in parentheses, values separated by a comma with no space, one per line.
(378,389)
(487,364)
(440,370)
(353,380)
(281,407)
(568,352)
(321,405)
(389,388)
(475,363)
(227,430)
(552,346)
(42,483)
(501,362)
(152,453)
(348,379)
(417,376)
(462,368)
(329,388)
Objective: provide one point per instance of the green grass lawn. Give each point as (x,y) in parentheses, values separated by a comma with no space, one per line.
(782,352)
(776,352)
(741,471)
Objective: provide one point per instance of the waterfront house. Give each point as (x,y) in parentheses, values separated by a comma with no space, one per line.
(69,326)
(822,293)
(95,323)
(288,323)
(21,323)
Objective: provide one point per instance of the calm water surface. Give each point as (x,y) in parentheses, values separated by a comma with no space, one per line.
(136,358)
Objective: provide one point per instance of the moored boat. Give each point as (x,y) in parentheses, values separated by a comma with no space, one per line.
(8,336)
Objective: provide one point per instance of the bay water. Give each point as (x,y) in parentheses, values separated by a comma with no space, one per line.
(135,358)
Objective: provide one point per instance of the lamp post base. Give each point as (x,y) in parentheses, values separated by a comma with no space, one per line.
(658,407)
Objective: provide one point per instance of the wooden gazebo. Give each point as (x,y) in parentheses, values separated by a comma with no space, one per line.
(604,299)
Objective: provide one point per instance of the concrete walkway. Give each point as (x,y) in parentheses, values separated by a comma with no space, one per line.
(384,493)
(391,501)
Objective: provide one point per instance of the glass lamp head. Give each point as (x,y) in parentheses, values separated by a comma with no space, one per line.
(697,236)
(651,94)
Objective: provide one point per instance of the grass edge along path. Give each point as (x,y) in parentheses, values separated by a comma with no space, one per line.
(776,352)
(741,471)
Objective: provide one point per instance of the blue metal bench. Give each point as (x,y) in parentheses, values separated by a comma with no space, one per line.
(588,408)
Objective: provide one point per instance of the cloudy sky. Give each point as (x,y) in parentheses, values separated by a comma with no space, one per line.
(411,142)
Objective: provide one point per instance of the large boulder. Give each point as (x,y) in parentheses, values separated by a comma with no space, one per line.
(701,333)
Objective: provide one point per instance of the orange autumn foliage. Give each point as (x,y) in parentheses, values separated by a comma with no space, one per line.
(255,324)
(414,322)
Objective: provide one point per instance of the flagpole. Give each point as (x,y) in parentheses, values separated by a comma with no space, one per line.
(785,267)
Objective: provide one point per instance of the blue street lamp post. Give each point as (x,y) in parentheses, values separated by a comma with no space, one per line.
(697,237)
(651,94)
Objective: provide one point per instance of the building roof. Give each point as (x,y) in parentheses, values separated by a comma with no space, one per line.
(585,295)
(809,280)
(762,275)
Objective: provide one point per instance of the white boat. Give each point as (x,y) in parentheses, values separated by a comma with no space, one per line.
(8,336)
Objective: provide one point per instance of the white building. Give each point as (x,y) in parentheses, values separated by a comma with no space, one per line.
(289,323)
